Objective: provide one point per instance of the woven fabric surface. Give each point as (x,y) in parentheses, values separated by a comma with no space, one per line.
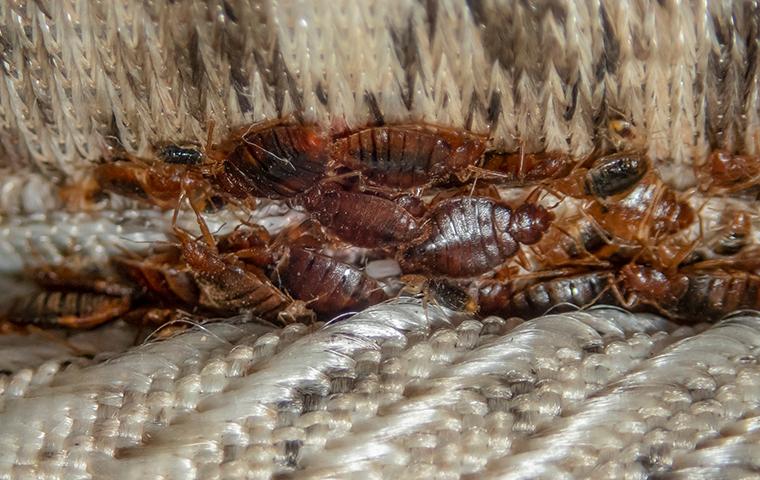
(398,390)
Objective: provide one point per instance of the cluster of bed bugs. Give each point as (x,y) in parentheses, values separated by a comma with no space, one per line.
(470,228)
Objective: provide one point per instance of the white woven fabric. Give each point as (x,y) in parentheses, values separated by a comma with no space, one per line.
(399,392)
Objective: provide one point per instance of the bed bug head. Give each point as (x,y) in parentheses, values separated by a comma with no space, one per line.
(529,223)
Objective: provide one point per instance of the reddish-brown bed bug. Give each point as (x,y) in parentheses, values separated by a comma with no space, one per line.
(70,309)
(468,236)
(270,159)
(229,286)
(520,168)
(408,156)
(726,172)
(360,219)
(326,285)
(158,184)
(690,294)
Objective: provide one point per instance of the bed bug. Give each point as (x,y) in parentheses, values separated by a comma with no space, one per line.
(244,237)
(735,233)
(622,132)
(625,136)
(708,295)
(519,168)
(227,285)
(326,285)
(162,276)
(649,211)
(182,155)
(439,291)
(250,243)
(729,173)
(71,295)
(159,184)
(607,176)
(271,159)
(575,241)
(468,236)
(563,293)
(528,298)
(83,278)
(492,296)
(408,156)
(614,174)
(66,308)
(360,219)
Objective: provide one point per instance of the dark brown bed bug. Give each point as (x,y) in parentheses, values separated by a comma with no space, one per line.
(69,309)
(559,294)
(182,155)
(326,285)
(360,219)
(407,156)
(614,174)
(689,295)
(270,159)
(607,176)
(468,236)
(64,277)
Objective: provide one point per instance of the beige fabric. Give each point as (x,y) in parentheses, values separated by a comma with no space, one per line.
(397,391)
(75,76)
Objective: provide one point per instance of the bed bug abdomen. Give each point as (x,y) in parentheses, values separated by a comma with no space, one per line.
(464,236)
(614,174)
(405,156)
(562,293)
(71,309)
(277,161)
(328,286)
(361,219)
(180,155)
